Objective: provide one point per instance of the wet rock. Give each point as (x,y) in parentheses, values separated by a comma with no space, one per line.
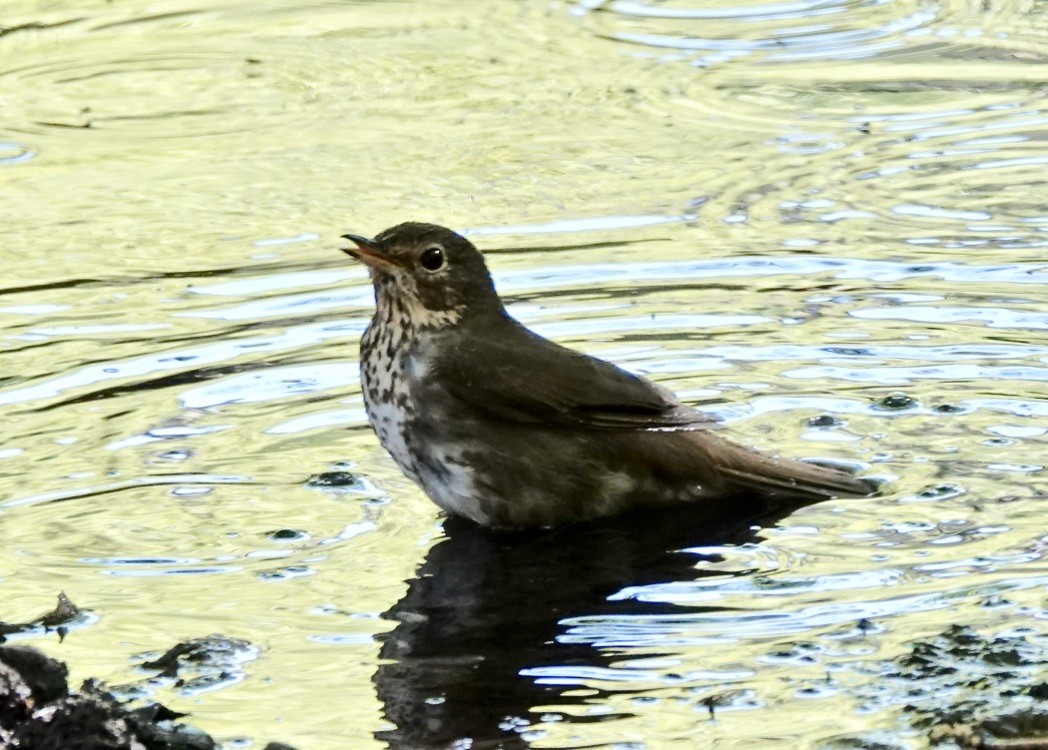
(1022,730)
(335,479)
(972,660)
(38,712)
(287,535)
(201,663)
(859,743)
(977,691)
(15,699)
(59,619)
(942,491)
(723,698)
(896,402)
(156,727)
(45,677)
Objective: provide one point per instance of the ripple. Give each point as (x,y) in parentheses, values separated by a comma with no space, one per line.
(321,421)
(939,213)
(286,573)
(719,627)
(934,175)
(701,270)
(786,31)
(724,563)
(152,572)
(145,561)
(199,480)
(270,384)
(904,375)
(15,153)
(593,224)
(584,675)
(619,324)
(991,317)
(932,157)
(1019,407)
(938,145)
(86,92)
(781,584)
(287,305)
(225,361)
(187,364)
(177,85)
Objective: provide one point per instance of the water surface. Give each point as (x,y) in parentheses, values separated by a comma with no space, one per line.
(824,221)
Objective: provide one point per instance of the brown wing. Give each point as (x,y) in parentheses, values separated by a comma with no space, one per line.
(517,375)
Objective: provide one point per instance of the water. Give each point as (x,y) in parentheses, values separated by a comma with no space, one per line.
(824,221)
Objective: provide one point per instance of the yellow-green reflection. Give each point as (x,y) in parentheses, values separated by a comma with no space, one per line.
(788,213)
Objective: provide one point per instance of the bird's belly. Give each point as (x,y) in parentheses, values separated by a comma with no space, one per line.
(505,481)
(450,483)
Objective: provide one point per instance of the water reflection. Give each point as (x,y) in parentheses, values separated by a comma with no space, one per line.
(482,649)
(822,219)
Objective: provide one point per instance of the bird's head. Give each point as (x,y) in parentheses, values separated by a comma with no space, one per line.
(427,272)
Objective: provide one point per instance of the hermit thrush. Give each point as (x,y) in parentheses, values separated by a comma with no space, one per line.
(507,428)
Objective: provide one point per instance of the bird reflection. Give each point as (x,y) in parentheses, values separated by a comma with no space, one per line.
(485,606)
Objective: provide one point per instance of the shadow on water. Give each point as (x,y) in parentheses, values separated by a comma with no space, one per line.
(484,607)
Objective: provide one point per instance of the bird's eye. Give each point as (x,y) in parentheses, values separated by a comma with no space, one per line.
(432,258)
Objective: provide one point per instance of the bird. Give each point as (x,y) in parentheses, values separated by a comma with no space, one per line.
(511,430)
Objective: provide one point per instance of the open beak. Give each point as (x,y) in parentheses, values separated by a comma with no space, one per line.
(368,251)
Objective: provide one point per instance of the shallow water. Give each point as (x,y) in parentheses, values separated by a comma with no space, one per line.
(824,221)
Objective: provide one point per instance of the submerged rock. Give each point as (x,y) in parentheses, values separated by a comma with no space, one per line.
(58,620)
(196,665)
(970,690)
(994,685)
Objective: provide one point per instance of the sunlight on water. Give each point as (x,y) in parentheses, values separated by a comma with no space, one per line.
(822,220)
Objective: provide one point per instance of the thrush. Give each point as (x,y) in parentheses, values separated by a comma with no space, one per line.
(509,429)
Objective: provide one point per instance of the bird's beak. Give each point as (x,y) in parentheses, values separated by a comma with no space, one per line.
(368,251)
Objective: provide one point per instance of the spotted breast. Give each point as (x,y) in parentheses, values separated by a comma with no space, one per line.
(383,362)
(394,354)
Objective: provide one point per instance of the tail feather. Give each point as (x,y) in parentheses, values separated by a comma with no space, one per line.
(782,477)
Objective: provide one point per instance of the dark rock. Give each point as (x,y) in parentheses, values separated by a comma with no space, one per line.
(336,479)
(896,402)
(200,664)
(45,677)
(38,712)
(975,691)
(825,420)
(58,619)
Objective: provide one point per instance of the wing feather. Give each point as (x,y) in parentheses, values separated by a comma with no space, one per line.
(520,376)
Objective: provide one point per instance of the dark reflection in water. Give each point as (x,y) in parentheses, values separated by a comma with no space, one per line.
(484,606)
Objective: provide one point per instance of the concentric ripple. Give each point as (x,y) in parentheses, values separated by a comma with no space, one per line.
(804,30)
(208,94)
